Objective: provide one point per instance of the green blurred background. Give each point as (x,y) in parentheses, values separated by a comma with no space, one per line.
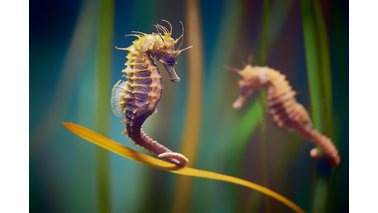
(73,65)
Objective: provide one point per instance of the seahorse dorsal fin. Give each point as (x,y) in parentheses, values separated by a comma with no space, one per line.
(117,94)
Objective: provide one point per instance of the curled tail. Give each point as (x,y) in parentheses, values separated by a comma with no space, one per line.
(324,142)
(136,134)
(162,151)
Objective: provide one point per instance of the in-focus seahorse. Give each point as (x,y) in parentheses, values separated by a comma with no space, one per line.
(284,109)
(136,97)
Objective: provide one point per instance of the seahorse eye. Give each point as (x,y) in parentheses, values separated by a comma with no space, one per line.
(170,61)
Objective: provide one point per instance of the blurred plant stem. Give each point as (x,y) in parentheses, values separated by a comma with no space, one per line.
(312,62)
(243,131)
(321,195)
(338,37)
(263,55)
(73,66)
(319,78)
(263,44)
(192,124)
(279,12)
(104,56)
(325,67)
(216,79)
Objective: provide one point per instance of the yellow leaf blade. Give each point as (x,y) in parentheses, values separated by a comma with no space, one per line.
(126,152)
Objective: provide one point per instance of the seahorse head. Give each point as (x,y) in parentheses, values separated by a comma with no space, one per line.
(252,78)
(163,48)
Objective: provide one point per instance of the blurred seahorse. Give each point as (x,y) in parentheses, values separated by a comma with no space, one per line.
(284,109)
(137,97)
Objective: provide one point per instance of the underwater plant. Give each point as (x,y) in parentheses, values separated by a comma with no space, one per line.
(137,97)
(286,112)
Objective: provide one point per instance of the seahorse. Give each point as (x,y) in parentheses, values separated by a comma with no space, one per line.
(137,96)
(286,112)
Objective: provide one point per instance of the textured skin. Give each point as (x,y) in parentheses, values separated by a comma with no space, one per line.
(138,98)
(284,109)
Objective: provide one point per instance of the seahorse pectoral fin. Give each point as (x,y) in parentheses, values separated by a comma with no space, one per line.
(174,157)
